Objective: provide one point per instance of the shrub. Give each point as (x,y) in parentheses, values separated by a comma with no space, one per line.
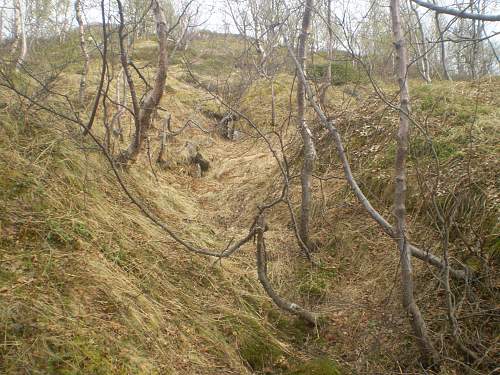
(342,72)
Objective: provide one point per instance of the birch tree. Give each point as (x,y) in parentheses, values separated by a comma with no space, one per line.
(309,153)
(143,113)
(419,327)
(20,33)
(83,50)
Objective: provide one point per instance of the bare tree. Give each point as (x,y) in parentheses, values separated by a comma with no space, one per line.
(1,25)
(328,72)
(19,35)
(103,69)
(419,327)
(24,43)
(351,180)
(16,29)
(83,49)
(422,45)
(143,114)
(442,46)
(309,153)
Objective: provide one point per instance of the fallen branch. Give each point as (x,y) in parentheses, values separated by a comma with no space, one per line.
(290,307)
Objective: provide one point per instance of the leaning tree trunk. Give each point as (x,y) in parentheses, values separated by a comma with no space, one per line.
(143,116)
(419,327)
(261,256)
(305,132)
(83,50)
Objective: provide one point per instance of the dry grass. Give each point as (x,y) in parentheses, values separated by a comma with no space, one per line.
(90,286)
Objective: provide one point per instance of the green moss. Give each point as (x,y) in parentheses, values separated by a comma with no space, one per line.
(81,356)
(6,276)
(313,288)
(444,148)
(81,230)
(342,72)
(475,263)
(317,366)
(443,101)
(57,233)
(258,351)
(296,330)
(256,345)
(314,283)
(492,247)
(13,183)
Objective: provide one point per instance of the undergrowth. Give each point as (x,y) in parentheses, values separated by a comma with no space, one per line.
(90,286)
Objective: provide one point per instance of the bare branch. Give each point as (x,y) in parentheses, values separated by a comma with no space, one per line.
(262,273)
(458,13)
(103,70)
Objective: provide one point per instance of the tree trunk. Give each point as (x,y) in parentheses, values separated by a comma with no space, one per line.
(375,215)
(309,149)
(83,49)
(163,141)
(65,23)
(1,25)
(121,102)
(257,35)
(152,98)
(24,44)
(442,46)
(429,354)
(19,34)
(423,52)
(328,73)
(475,45)
(16,32)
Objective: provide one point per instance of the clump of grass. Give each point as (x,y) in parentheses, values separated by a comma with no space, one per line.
(317,366)
(343,72)
(256,346)
(455,104)
(313,284)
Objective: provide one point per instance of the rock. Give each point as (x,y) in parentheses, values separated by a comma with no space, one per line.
(202,162)
(237,135)
(195,157)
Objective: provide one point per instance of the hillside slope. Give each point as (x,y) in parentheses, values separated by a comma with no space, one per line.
(89,285)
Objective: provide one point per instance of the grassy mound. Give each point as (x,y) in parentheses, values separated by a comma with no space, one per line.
(88,285)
